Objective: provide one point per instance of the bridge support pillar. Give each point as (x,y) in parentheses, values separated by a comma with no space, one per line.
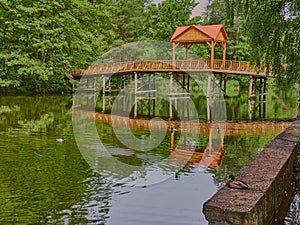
(257,97)
(214,98)
(144,93)
(179,95)
(223,80)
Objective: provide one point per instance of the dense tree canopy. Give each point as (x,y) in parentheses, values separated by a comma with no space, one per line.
(262,31)
(227,13)
(163,19)
(274,29)
(42,40)
(129,19)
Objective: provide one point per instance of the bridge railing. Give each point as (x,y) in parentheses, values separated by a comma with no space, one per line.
(240,66)
(228,66)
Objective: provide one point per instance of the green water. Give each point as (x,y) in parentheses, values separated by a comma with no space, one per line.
(46,182)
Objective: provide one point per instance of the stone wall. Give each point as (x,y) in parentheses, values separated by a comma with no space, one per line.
(269,175)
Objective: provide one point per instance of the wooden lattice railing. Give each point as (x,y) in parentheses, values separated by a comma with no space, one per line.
(218,66)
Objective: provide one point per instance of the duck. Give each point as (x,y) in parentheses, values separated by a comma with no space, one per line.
(237,184)
(60,140)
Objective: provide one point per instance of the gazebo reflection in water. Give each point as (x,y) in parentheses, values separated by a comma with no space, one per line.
(189,153)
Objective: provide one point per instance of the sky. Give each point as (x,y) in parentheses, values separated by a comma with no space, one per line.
(198,10)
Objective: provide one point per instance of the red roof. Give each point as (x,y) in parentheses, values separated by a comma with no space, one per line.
(210,30)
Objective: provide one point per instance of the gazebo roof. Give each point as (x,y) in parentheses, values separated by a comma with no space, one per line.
(200,34)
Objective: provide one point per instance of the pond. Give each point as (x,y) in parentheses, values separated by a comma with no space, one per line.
(43,181)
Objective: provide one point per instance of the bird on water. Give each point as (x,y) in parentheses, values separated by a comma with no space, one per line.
(238,184)
(60,140)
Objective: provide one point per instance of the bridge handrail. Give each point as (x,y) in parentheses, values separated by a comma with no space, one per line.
(240,67)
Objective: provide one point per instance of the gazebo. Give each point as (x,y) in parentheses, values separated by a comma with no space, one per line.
(193,34)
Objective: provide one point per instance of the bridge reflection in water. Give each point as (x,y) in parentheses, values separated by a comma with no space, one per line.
(185,151)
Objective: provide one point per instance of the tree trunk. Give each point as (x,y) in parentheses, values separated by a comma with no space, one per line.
(298,99)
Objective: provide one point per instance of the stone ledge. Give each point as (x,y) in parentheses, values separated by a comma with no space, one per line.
(269,176)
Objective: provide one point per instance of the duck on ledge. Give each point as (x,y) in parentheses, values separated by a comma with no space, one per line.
(237,184)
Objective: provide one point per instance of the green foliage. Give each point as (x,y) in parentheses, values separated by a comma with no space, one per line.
(274,35)
(202,51)
(129,19)
(42,40)
(261,31)
(226,12)
(164,18)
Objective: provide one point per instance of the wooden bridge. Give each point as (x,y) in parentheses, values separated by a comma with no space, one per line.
(142,74)
(179,66)
(212,35)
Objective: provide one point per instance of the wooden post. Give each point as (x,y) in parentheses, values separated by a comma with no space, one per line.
(87,83)
(186,51)
(154,81)
(265,89)
(298,99)
(149,83)
(259,96)
(109,84)
(170,102)
(212,55)
(188,83)
(250,87)
(264,97)
(172,139)
(141,106)
(135,93)
(174,55)
(73,86)
(225,81)
(222,139)
(103,93)
(208,97)
(154,88)
(224,55)
(249,109)
(103,84)
(123,82)
(210,148)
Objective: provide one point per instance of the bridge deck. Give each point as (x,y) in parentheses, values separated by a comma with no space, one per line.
(180,66)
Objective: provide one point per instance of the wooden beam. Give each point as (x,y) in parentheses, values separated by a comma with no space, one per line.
(171,91)
(186,51)
(224,55)
(174,54)
(187,46)
(212,54)
(135,94)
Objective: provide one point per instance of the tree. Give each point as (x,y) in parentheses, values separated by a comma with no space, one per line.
(226,12)
(129,19)
(164,18)
(274,35)
(42,40)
